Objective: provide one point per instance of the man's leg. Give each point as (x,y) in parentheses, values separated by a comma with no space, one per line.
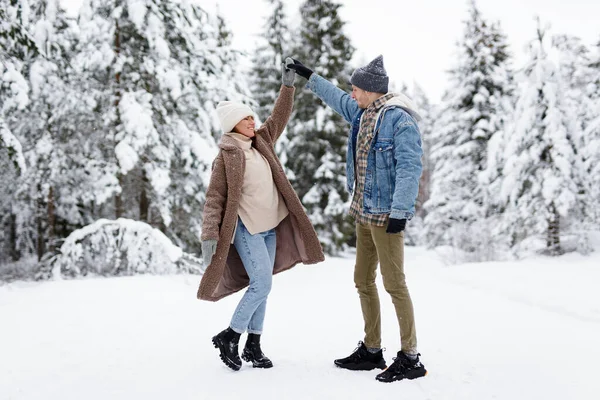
(368,355)
(365,272)
(390,249)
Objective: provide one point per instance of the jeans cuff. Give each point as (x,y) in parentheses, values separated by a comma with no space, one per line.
(254,332)
(236,330)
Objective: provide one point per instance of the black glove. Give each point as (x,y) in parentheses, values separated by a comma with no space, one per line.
(396,225)
(300,69)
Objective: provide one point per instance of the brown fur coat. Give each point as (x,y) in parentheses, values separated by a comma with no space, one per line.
(296,238)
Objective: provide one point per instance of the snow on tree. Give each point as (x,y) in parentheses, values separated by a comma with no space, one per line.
(591,135)
(225,77)
(268,57)
(275,45)
(12,165)
(157,69)
(116,248)
(318,136)
(576,73)
(428,111)
(470,116)
(542,181)
(12,146)
(40,120)
(17,46)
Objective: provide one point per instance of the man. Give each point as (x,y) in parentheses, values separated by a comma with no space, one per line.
(383,168)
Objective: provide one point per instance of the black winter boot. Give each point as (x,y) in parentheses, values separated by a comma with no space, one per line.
(252,352)
(403,367)
(362,359)
(227,343)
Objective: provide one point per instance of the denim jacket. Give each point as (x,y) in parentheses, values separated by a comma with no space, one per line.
(394,162)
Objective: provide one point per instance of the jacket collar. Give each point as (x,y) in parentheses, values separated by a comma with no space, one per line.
(404,102)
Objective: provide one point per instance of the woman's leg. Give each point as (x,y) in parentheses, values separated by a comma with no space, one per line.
(257,320)
(253,251)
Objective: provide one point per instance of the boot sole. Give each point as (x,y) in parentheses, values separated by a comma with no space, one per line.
(361,367)
(414,375)
(246,358)
(228,362)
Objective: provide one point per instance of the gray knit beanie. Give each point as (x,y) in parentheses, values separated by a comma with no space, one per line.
(371,77)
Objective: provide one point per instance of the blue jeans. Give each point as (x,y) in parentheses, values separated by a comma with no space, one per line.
(258,255)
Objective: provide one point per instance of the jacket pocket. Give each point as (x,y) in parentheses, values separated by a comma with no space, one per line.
(384,153)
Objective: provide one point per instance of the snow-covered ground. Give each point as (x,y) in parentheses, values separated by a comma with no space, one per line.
(512,330)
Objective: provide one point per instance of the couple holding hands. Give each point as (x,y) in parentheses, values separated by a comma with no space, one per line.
(255,226)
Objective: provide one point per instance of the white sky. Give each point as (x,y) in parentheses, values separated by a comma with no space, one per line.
(417,38)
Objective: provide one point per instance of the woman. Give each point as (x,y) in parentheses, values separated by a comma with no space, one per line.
(251,204)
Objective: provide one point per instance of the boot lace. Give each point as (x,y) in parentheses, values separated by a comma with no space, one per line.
(355,356)
(403,364)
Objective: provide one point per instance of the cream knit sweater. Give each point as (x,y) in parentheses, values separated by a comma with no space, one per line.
(261,206)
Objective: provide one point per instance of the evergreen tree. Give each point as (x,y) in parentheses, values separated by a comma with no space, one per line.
(157,69)
(267,59)
(228,80)
(591,136)
(414,234)
(11,145)
(427,112)
(17,48)
(471,114)
(275,45)
(318,136)
(542,171)
(42,122)
(575,73)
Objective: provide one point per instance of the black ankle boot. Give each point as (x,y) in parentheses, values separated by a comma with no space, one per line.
(362,359)
(227,343)
(252,353)
(403,367)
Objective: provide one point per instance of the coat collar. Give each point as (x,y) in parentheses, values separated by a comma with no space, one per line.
(260,143)
(228,143)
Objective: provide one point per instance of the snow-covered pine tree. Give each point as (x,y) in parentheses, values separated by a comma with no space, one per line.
(12,165)
(229,77)
(17,48)
(43,124)
(266,61)
(11,149)
(275,44)
(469,117)
(591,136)
(317,135)
(576,73)
(156,69)
(414,234)
(427,112)
(542,170)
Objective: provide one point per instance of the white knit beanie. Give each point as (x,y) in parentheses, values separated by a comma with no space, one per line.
(230,113)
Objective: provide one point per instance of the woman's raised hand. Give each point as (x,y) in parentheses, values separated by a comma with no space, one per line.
(288,75)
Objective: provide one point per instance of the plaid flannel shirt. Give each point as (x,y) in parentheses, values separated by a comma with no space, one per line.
(364,139)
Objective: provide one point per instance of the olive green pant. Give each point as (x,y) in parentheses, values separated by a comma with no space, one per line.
(374,245)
